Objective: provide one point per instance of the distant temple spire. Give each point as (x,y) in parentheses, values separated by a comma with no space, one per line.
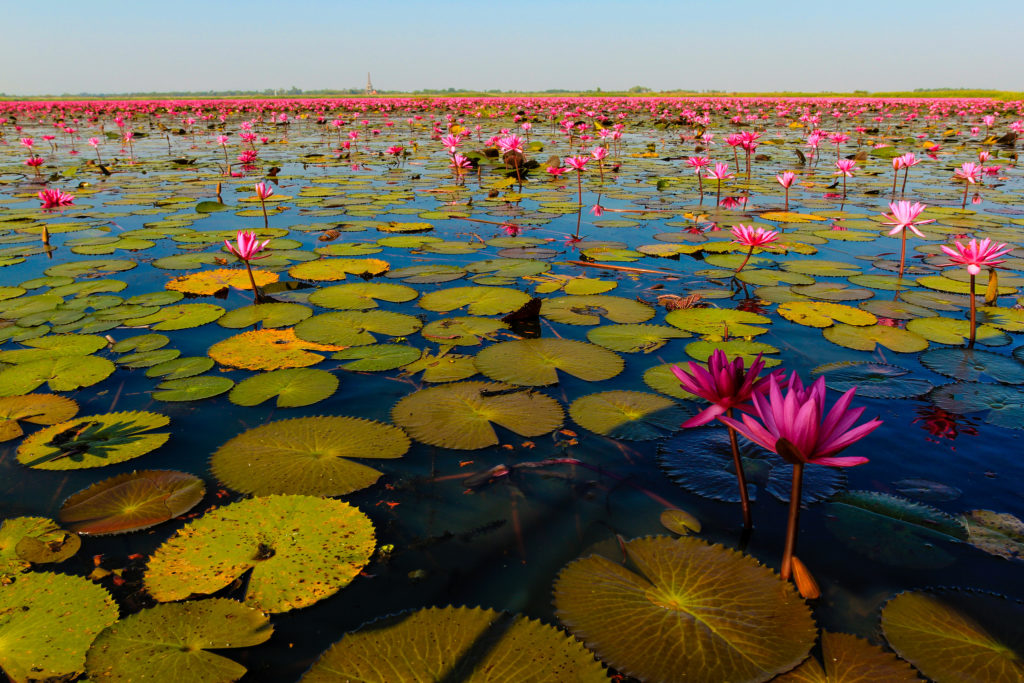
(370,90)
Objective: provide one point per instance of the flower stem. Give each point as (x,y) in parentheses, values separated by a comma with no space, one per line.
(266,222)
(740,477)
(749,252)
(252,281)
(970,341)
(794,520)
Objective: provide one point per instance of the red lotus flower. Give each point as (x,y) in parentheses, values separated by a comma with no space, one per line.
(725,384)
(54,199)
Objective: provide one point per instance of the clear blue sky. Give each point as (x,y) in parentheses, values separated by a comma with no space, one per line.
(115,46)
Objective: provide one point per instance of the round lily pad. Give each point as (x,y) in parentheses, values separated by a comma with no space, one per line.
(1005,405)
(181,367)
(460,415)
(972,365)
(995,533)
(957,635)
(685,612)
(267,315)
(141,342)
(442,367)
(355,328)
(300,550)
(40,409)
(629,415)
(535,362)
(873,380)
(25,541)
(131,501)
(194,388)
(822,314)
(268,350)
(457,643)
(464,331)
(176,638)
(589,309)
(293,387)
(943,330)
(35,641)
(478,300)
(427,274)
(209,282)
(868,337)
(848,659)
(719,322)
(333,269)
(307,455)
(376,357)
(634,338)
(180,317)
(60,373)
(93,441)
(361,295)
(747,350)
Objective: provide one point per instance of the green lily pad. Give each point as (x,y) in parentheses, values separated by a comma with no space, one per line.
(478,300)
(147,359)
(361,295)
(35,641)
(848,659)
(951,331)
(25,541)
(376,357)
(194,388)
(936,301)
(293,387)
(634,338)
(1006,319)
(820,314)
(90,267)
(941,283)
(895,310)
(60,373)
(332,269)
(131,501)
(830,291)
(719,322)
(628,415)
(355,328)
(1005,405)
(589,309)
(300,550)
(457,643)
(685,612)
(267,315)
(181,367)
(443,367)
(142,342)
(762,277)
(663,380)
(93,441)
(867,338)
(54,346)
(180,317)
(308,455)
(535,362)
(1000,534)
(460,415)
(464,331)
(747,350)
(820,268)
(972,365)
(427,274)
(41,409)
(873,380)
(957,635)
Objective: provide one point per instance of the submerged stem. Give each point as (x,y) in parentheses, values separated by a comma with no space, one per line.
(970,341)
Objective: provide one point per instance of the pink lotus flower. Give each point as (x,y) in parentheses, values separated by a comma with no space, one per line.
(796,416)
(597,210)
(976,255)
(451,143)
(845,167)
(968,172)
(904,215)
(394,150)
(27,143)
(599,153)
(248,246)
(725,384)
(698,163)
(95,142)
(264,190)
(577,163)
(556,171)
(55,199)
(34,162)
(750,236)
(786,179)
(510,143)
(720,172)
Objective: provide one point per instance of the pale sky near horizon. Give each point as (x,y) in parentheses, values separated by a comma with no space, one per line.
(115,46)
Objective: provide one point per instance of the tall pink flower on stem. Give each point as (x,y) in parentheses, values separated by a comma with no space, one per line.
(845,169)
(246,250)
(907,161)
(460,166)
(794,425)
(975,256)
(720,172)
(968,172)
(727,385)
(786,179)
(752,237)
(578,163)
(264,191)
(698,163)
(897,164)
(904,217)
(95,142)
(222,140)
(35,162)
(599,153)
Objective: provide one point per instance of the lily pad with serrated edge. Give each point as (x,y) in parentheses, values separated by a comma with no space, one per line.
(442,367)
(177,637)
(747,350)
(35,641)
(60,373)
(194,388)
(300,550)
(376,357)
(628,415)
(893,530)
(25,541)
(93,441)
(943,330)
(179,317)
(1005,404)
(459,415)
(958,635)
(822,314)
(868,337)
(1006,319)
(268,315)
(478,300)
(685,612)
(996,533)
(873,380)
(131,501)
(318,456)
(700,460)
(634,338)
(355,328)
(359,296)
(181,367)
(463,331)
(589,309)
(333,269)
(40,409)
(971,365)
(293,387)
(535,362)
(718,321)
(457,643)
(848,659)
(268,350)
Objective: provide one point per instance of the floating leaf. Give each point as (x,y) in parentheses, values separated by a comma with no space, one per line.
(535,362)
(209,282)
(721,322)
(957,635)
(428,274)
(192,388)
(36,642)
(181,367)
(457,643)
(1000,534)
(1005,405)
(873,380)
(267,315)
(460,415)
(629,415)
(950,331)
(268,350)
(791,217)
(33,540)
(361,295)
(93,441)
(747,350)
(867,338)
(142,342)
(925,489)
(464,331)
(60,373)
(131,501)
(180,317)
(819,314)
(685,613)
(663,380)
(376,357)
(300,549)
(332,269)
(444,367)
(588,310)
(971,365)
(833,292)
(355,328)
(634,338)
(679,522)
(478,300)
(54,346)
(848,659)
(40,409)
(293,388)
